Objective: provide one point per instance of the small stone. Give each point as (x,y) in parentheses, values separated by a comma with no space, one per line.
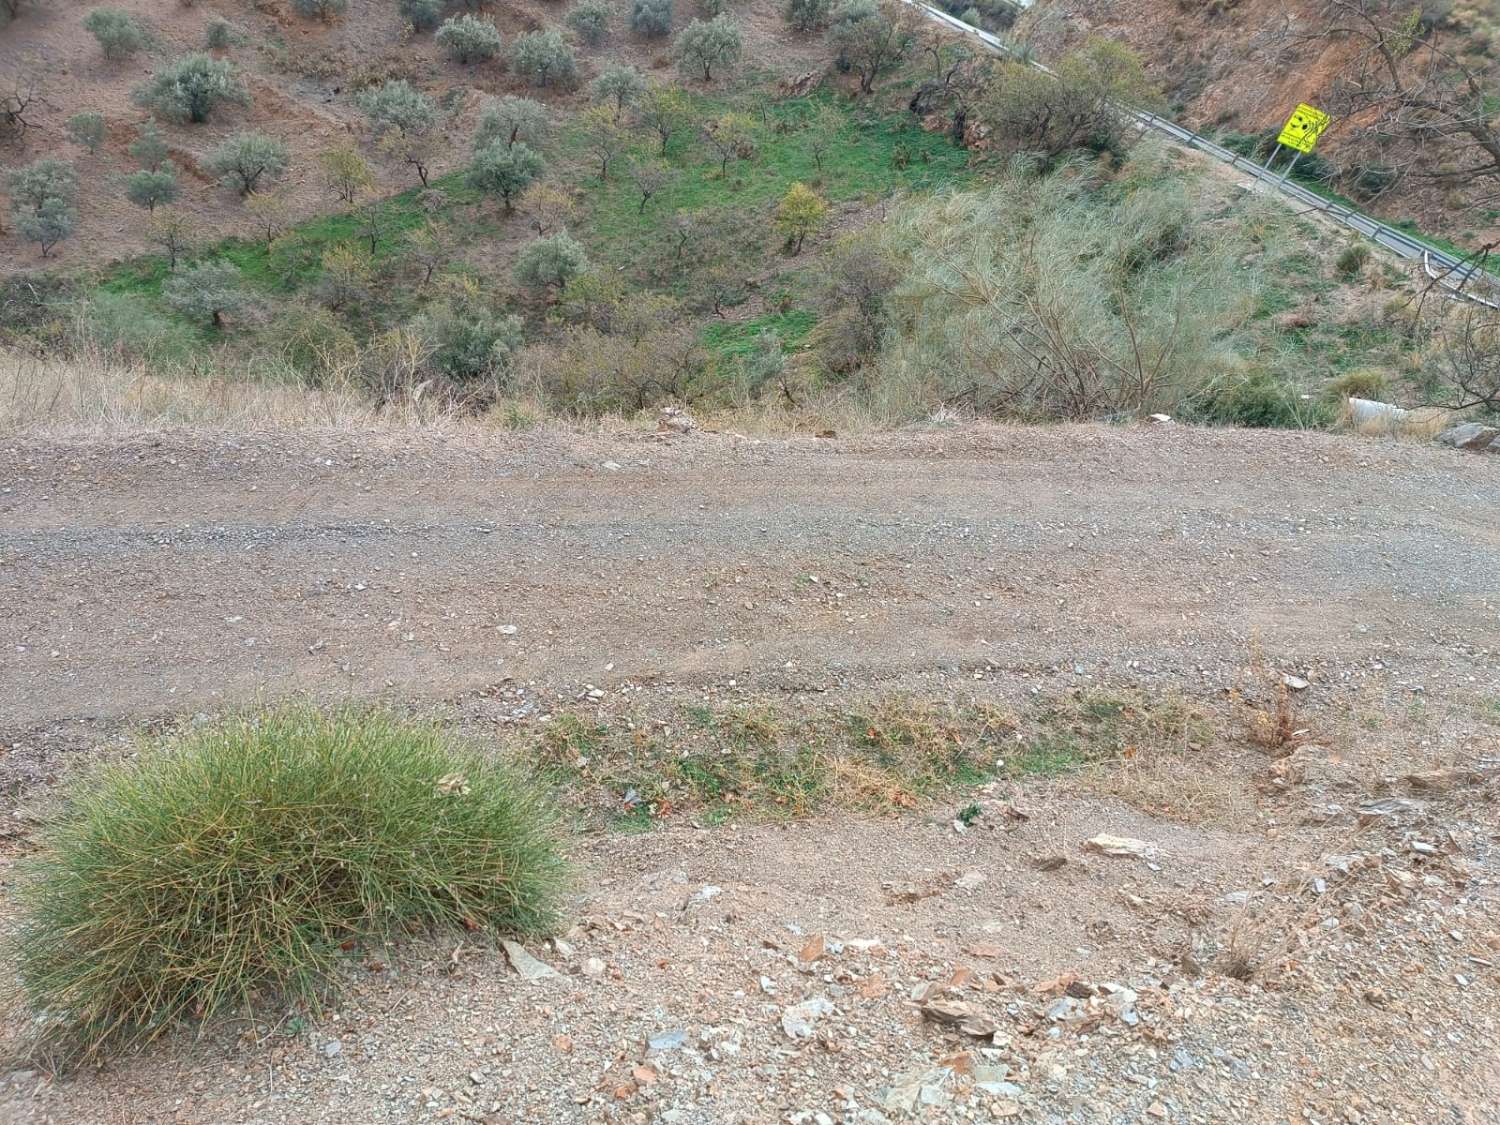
(593,967)
(971,879)
(959,1013)
(509,630)
(525,964)
(812,950)
(667,1040)
(798,1020)
(705,893)
(1295,683)
(612,466)
(333,1048)
(1119,847)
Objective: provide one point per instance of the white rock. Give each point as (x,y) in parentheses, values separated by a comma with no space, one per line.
(525,964)
(798,1020)
(1121,847)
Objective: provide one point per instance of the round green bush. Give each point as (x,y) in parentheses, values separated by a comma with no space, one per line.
(236,863)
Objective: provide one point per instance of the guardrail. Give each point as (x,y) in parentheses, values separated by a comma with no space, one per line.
(1453,274)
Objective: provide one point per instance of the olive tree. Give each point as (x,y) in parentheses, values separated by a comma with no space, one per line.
(192,87)
(651,18)
(43,199)
(245,160)
(505,171)
(618,85)
(118,33)
(510,119)
(871,35)
(324,10)
(806,15)
(423,15)
(48,225)
(403,119)
(87,130)
(149,147)
(544,57)
(31,185)
(467,39)
(701,47)
(152,189)
(205,292)
(549,263)
(590,21)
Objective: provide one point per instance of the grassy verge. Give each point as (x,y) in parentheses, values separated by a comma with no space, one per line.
(755,763)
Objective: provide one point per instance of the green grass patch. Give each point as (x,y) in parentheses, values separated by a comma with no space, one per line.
(861,164)
(237,865)
(737,339)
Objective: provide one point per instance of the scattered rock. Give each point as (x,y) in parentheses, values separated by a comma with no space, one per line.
(1050,862)
(927,1087)
(1119,847)
(1473,436)
(675,419)
(525,964)
(1443,780)
(1390,809)
(593,967)
(968,1018)
(992,1080)
(814,948)
(667,1040)
(798,1020)
(971,879)
(1295,683)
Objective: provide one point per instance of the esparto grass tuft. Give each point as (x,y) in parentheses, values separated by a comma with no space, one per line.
(237,863)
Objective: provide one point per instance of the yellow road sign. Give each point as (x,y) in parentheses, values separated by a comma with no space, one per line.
(1303,128)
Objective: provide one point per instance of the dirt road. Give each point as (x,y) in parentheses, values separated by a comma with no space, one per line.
(163,575)
(172,575)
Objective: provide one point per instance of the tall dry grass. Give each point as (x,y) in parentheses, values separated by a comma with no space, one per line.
(91,393)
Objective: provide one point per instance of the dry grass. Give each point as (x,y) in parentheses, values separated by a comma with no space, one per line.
(1369,419)
(94,394)
(91,394)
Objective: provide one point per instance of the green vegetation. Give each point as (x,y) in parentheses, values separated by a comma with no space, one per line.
(714,245)
(651,18)
(86,130)
(590,21)
(118,34)
(857,165)
(233,866)
(192,88)
(468,39)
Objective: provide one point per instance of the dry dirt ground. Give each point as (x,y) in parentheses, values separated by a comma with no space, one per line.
(803,972)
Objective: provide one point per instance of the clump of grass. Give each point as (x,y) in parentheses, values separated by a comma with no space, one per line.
(238,862)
